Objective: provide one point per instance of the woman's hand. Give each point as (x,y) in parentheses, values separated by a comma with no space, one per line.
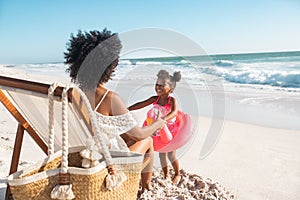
(160,123)
(138,133)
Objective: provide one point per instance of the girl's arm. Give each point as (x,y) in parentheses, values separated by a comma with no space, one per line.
(174,110)
(137,133)
(142,104)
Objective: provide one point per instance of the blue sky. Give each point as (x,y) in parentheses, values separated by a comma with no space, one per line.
(34,31)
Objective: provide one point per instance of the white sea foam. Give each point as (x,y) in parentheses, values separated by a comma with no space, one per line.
(254,76)
(148,63)
(184,61)
(125,62)
(225,63)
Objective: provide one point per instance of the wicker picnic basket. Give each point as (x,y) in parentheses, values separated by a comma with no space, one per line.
(60,175)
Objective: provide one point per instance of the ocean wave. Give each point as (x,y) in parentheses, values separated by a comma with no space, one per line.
(184,61)
(148,63)
(262,77)
(224,63)
(43,68)
(125,62)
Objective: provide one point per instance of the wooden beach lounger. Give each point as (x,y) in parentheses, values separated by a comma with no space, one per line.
(27,102)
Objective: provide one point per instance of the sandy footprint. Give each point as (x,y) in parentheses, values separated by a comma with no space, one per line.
(5,138)
(6,147)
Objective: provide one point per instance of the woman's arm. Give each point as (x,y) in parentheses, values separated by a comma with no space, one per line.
(174,110)
(142,104)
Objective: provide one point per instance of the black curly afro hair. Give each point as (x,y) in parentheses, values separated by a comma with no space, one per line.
(91,54)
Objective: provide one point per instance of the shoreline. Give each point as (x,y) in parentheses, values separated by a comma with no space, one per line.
(246,105)
(271,108)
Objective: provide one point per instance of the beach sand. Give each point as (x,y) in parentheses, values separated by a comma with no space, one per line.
(250,161)
(255,162)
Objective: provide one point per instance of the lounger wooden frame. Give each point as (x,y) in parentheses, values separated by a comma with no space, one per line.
(23,125)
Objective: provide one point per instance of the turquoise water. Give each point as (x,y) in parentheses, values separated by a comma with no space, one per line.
(277,70)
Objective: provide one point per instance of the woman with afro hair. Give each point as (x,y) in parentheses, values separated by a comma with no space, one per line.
(92,58)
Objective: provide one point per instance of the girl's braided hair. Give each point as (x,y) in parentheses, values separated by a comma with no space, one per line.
(163,74)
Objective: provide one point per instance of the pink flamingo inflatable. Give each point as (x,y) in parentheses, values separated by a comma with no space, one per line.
(174,135)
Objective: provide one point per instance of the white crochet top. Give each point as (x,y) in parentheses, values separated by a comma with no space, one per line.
(114,126)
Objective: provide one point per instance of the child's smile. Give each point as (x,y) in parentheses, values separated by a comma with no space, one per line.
(162,87)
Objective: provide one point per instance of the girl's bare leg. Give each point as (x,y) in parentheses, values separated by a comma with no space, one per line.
(175,165)
(145,147)
(164,164)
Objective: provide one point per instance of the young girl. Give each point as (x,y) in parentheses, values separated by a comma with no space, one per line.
(167,106)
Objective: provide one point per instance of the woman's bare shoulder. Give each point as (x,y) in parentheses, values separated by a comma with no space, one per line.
(117,105)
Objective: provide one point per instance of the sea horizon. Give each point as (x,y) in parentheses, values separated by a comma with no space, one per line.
(219,54)
(167,57)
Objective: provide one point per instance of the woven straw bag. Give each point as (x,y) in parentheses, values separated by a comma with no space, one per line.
(61,176)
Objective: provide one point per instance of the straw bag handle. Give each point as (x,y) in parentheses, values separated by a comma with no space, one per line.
(51,117)
(64,189)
